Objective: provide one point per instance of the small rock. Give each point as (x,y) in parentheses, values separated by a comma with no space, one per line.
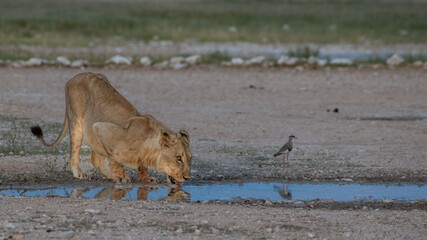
(179,66)
(418,63)
(326,200)
(8,225)
(269,230)
(214,230)
(285,60)
(310,235)
(176,60)
(341,61)
(63,61)
(91,232)
(204,221)
(145,61)
(312,60)
(11,153)
(33,62)
(179,230)
(395,60)
(225,63)
(376,66)
(299,68)
(197,231)
(322,62)
(120,60)
(232,29)
(237,62)
(79,63)
(18,64)
(193,60)
(286,27)
(21,152)
(255,61)
(347,179)
(92,211)
(162,65)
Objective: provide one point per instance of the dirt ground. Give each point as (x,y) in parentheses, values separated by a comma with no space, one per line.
(352,124)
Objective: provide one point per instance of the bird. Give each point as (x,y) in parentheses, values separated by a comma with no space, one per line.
(284,192)
(285,149)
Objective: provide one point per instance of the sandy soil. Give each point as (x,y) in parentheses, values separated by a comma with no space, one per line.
(237,118)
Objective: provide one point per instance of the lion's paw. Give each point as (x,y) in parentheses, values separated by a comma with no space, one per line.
(148,180)
(80,175)
(125,179)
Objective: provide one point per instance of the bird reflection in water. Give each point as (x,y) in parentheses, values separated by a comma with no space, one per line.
(284,191)
(115,193)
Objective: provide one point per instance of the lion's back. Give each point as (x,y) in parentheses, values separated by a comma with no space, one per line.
(93,94)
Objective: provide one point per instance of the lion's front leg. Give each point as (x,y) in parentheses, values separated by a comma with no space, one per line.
(118,172)
(143,176)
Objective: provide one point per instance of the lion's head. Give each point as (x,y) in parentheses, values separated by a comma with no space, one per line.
(175,156)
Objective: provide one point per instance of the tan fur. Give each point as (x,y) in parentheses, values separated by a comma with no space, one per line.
(115,130)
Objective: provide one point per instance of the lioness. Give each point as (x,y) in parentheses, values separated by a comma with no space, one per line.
(115,130)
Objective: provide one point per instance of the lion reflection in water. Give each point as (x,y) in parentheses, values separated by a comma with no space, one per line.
(113,193)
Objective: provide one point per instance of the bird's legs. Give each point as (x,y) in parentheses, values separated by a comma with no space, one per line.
(284,162)
(287,158)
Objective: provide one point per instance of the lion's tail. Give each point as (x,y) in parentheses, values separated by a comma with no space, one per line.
(37,131)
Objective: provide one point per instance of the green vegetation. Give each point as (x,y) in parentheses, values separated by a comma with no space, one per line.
(87,23)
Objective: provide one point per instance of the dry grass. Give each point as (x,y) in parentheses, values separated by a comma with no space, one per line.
(82,23)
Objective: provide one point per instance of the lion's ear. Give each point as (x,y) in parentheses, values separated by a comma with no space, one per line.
(184,134)
(164,138)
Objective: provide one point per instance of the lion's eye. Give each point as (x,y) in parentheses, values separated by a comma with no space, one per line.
(179,159)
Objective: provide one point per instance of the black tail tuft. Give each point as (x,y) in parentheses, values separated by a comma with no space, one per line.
(37,131)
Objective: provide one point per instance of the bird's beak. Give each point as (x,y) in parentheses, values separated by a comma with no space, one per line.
(295,137)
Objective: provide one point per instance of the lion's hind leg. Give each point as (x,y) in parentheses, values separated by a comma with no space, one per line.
(76,137)
(99,163)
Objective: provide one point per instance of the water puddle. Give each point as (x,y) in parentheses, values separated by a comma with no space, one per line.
(272,191)
(397,118)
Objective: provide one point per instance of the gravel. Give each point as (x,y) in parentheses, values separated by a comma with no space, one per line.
(236,119)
